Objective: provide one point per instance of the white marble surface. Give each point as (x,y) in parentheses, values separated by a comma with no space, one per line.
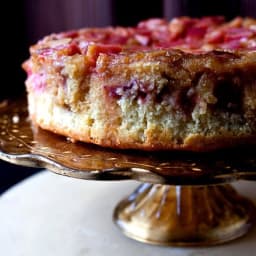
(48,214)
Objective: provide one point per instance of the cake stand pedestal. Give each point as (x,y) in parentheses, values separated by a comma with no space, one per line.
(184,215)
(185,199)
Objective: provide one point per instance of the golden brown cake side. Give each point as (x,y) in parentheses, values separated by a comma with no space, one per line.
(150,100)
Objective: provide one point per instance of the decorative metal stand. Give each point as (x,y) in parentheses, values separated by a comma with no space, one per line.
(184,215)
(184,200)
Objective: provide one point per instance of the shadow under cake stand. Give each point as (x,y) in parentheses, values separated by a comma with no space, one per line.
(185,199)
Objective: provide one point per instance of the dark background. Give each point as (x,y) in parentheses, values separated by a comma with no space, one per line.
(29,20)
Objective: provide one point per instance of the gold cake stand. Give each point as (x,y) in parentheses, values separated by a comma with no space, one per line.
(185,199)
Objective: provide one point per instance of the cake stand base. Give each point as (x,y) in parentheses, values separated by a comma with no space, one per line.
(184,215)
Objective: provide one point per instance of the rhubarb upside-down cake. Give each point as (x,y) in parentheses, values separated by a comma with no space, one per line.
(183,84)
